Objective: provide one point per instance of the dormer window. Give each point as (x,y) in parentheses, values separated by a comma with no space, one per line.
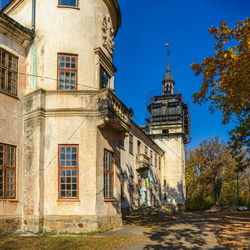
(70,3)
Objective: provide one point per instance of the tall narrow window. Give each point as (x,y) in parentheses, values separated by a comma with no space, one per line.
(71,3)
(131,144)
(151,157)
(68,171)
(146,150)
(7,172)
(104,79)
(108,174)
(138,147)
(8,72)
(156,160)
(67,72)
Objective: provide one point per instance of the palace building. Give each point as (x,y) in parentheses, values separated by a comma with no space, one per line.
(71,157)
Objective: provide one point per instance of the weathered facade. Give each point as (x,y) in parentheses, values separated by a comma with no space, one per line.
(71,158)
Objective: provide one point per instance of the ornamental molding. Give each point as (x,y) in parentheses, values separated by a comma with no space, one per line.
(14,33)
(108,34)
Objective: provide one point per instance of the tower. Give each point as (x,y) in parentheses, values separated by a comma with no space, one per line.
(168,126)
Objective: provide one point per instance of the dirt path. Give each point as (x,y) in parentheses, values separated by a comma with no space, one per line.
(189,231)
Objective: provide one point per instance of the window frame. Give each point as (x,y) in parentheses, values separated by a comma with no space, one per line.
(131,144)
(7,69)
(156,160)
(102,69)
(68,168)
(71,70)
(151,157)
(139,147)
(122,144)
(69,6)
(146,150)
(109,172)
(6,168)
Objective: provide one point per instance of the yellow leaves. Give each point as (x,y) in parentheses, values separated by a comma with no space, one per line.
(226,75)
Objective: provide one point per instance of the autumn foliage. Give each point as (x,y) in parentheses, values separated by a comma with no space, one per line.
(226,82)
(211,179)
(226,75)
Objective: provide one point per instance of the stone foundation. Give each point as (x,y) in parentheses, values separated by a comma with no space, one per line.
(106,222)
(71,224)
(10,224)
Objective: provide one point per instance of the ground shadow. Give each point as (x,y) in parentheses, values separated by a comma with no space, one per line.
(191,230)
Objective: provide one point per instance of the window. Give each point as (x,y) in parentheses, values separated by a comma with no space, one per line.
(165,196)
(156,160)
(67,72)
(104,79)
(121,144)
(151,157)
(146,150)
(108,174)
(165,131)
(159,163)
(8,72)
(131,144)
(7,172)
(71,3)
(68,171)
(138,147)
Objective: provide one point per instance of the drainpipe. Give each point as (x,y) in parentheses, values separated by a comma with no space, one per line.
(33,49)
(33,18)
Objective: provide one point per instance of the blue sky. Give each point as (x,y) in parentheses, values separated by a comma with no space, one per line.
(141,57)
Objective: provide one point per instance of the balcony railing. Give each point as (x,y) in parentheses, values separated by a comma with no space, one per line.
(112,108)
(142,161)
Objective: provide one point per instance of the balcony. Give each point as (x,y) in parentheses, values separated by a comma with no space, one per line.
(113,111)
(142,161)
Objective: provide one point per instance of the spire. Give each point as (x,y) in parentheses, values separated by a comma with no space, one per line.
(168,76)
(168,80)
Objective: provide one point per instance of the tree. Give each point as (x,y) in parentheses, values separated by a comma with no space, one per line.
(226,80)
(209,172)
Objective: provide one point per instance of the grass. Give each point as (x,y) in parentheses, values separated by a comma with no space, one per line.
(80,233)
(64,242)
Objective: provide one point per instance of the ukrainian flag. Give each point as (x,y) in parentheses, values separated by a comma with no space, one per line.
(147,182)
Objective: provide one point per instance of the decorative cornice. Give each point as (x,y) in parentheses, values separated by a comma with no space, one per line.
(105,60)
(20,34)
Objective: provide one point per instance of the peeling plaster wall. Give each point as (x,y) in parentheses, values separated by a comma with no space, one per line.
(108,138)
(173,169)
(129,166)
(64,30)
(11,133)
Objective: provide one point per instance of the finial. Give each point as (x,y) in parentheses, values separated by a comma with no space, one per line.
(168,68)
(168,45)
